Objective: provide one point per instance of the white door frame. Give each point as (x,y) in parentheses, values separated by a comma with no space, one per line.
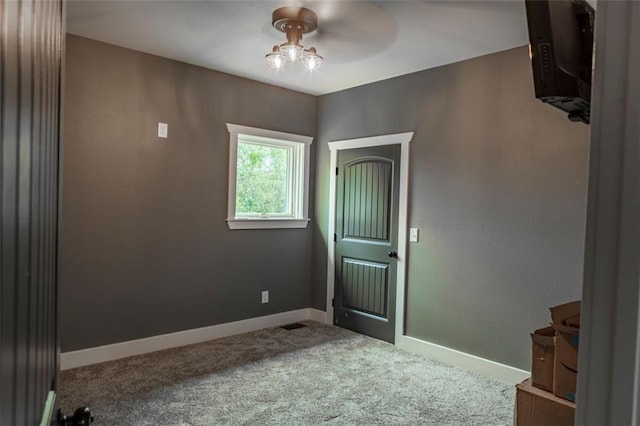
(609,359)
(402,139)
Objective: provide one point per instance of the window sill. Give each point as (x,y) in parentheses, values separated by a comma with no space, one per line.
(270,223)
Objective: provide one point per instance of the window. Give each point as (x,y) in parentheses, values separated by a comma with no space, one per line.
(268,179)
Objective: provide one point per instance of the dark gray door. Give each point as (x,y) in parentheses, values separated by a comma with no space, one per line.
(31,46)
(366,240)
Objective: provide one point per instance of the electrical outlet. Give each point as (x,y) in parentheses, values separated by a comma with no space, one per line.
(265,296)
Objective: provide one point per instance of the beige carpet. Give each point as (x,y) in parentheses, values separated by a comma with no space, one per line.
(307,376)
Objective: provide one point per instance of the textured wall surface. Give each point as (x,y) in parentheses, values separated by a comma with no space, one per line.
(497,188)
(145,249)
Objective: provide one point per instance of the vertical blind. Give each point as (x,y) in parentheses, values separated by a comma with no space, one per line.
(31,51)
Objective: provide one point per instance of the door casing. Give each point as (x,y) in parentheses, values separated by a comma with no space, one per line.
(403,139)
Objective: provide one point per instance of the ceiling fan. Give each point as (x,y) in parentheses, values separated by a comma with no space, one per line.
(347,30)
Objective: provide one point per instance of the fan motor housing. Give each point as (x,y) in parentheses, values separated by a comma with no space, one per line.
(294,18)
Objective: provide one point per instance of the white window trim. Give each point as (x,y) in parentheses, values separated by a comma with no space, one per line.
(267,222)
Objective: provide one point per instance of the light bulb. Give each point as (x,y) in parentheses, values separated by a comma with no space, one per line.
(275,59)
(291,51)
(311,59)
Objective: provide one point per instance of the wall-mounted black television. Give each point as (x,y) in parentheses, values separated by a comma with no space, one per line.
(561,49)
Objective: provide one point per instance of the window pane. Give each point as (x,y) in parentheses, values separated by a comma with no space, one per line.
(262,181)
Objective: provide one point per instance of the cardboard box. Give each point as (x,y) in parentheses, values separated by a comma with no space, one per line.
(566,322)
(542,358)
(573,321)
(567,314)
(535,407)
(565,367)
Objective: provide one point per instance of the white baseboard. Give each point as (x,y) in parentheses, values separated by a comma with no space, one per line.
(463,360)
(114,351)
(318,316)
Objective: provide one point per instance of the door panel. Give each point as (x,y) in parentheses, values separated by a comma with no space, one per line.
(367,200)
(364,286)
(366,231)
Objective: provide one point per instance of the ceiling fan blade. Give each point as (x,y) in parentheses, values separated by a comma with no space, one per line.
(351,30)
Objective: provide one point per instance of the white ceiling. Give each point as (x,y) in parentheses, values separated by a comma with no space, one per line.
(361,41)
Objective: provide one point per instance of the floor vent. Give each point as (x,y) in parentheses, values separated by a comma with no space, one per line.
(293,326)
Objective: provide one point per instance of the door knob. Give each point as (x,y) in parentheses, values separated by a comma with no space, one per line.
(393,253)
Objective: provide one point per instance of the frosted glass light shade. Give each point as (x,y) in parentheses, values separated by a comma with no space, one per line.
(275,59)
(292,52)
(311,59)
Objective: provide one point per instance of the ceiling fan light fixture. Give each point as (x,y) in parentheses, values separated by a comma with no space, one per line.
(311,59)
(294,22)
(275,59)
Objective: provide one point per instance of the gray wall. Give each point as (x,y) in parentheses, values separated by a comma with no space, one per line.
(145,249)
(497,188)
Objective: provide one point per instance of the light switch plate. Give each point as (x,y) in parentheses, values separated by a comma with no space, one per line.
(163,130)
(413,235)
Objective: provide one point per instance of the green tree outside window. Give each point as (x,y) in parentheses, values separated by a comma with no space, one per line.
(263,182)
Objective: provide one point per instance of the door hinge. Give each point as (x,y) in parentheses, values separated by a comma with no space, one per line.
(335,238)
(333,302)
(337,171)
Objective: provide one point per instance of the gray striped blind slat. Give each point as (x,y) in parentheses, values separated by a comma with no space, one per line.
(31,59)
